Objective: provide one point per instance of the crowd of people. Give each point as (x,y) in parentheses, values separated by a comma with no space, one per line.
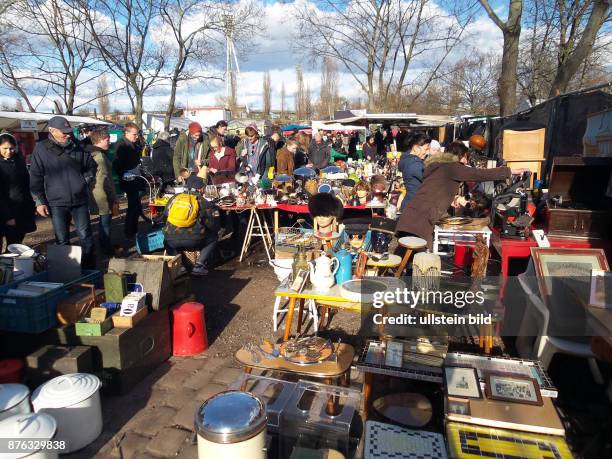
(69,180)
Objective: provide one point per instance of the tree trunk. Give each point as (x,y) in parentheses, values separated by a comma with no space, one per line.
(568,68)
(506,85)
(171,102)
(138,107)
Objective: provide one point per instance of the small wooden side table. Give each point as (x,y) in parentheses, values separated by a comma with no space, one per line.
(382,266)
(410,243)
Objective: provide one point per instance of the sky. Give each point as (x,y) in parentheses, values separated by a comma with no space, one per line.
(273,52)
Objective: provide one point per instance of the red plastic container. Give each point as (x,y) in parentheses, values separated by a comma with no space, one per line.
(188,329)
(464,253)
(11,371)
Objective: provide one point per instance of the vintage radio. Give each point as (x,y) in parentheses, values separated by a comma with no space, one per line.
(577,205)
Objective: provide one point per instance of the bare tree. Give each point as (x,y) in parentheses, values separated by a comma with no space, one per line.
(308,107)
(19,105)
(328,99)
(511,30)
(103,99)
(121,31)
(267,94)
(282,98)
(377,43)
(300,94)
(52,51)
(470,85)
(576,42)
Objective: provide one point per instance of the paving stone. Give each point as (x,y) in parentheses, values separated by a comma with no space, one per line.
(174,379)
(189,452)
(185,416)
(150,421)
(159,396)
(227,375)
(177,399)
(209,390)
(214,363)
(168,442)
(131,446)
(189,363)
(198,379)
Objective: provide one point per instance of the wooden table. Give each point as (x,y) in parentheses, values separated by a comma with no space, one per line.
(328,370)
(257,226)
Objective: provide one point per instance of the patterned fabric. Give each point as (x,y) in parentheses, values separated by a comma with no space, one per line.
(388,441)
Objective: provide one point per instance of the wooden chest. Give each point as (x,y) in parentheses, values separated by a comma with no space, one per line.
(126,355)
(51,361)
(580,184)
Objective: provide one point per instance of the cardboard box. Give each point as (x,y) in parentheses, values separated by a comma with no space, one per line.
(128,322)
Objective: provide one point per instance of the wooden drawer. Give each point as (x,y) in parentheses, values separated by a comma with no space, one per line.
(579,223)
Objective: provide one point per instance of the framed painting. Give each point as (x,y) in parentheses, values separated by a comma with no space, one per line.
(571,263)
(513,388)
(462,382)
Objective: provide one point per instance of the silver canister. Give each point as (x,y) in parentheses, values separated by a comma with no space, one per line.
(232,424)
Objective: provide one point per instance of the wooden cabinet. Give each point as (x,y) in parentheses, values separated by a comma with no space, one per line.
(579,223)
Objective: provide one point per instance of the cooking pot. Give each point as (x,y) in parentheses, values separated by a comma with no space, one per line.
(74,401)
(31,427)
(14,399)
(232,424)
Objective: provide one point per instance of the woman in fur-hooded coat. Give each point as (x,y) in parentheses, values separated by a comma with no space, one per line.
(443,174)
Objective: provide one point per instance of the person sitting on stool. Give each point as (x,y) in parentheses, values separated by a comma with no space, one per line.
(201,235)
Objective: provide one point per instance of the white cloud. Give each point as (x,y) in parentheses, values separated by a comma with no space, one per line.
(274,53)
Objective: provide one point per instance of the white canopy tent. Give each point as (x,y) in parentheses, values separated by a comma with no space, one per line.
(37,122)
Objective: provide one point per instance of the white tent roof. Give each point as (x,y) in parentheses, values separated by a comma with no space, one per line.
(402,119)
(13,120)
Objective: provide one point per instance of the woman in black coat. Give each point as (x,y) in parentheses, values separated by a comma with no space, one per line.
(16,203)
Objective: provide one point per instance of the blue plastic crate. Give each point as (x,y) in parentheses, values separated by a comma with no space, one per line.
(36,314)
(150,242)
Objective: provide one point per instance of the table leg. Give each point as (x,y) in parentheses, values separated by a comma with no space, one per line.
(346,378)
(275,222)
(290,311)
(322,312)
(300,314)
(247,370)
(247,236)
(367,393)
(260,227)
(404,262)
(332,402)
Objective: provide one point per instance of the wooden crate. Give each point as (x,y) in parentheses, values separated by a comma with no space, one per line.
(72,308)
(523,145)
(174,263)
(97,329)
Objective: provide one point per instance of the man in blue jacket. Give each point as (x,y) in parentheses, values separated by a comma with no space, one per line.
(411,163)
(60,174)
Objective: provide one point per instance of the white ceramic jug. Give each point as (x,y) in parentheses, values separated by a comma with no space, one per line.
(322,271)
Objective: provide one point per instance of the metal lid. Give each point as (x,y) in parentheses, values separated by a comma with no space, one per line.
(30,425)
(12,395)
(65,390)
(231,417)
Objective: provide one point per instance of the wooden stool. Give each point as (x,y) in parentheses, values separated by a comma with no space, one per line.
(392,261)
(410,243)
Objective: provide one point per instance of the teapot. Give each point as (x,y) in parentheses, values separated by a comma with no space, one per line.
(322,271)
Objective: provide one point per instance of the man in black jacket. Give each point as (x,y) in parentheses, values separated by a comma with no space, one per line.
(60,174)
(161,156)
(127,159)
(319,152)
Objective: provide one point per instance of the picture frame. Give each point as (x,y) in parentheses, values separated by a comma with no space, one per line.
(299,282)
(601,289)
(575,263)
(509,387)
(458,406)
(394,354)
(462,382)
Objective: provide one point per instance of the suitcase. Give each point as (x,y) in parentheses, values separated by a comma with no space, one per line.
(115,285)
(153,275)
(50,361)
(78,305)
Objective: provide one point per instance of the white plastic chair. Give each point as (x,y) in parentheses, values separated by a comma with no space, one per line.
(278,310)
(545,347)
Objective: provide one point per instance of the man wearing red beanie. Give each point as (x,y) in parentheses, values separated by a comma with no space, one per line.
(188,152)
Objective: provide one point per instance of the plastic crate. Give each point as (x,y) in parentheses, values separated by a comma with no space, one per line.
(150,242)
(36,314)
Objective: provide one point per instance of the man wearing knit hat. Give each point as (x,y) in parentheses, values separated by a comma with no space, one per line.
(188,152)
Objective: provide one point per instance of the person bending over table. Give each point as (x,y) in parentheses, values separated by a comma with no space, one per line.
(201,234)
(443,174)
